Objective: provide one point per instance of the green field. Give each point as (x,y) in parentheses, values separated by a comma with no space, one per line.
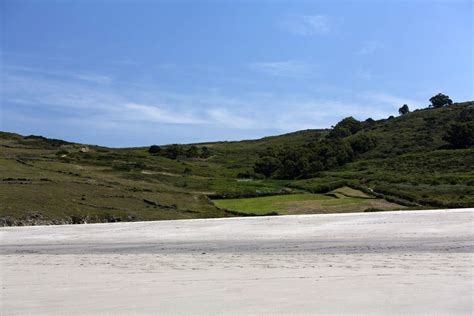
(306,203)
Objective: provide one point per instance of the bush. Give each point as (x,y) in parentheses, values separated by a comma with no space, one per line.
(192,152)
(61,152)
(460,135)
(205,153)
(267,166)
(467,114)
(362,143)
(154,149)
(346,127)
(172,151)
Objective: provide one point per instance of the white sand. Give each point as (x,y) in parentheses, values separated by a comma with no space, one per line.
(372,263)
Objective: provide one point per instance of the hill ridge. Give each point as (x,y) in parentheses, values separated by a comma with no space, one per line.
(410,163)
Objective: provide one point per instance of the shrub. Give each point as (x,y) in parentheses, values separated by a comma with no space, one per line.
(460,135)
(346,127)
(267,166)
(192,152)
(154,149)
(205,152)
(172,151)
(362,143)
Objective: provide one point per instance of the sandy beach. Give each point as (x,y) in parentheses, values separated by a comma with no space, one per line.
(359,263)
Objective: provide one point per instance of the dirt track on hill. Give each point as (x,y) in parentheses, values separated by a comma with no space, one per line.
(371,263)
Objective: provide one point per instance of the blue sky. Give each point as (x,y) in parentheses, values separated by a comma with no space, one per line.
(131,73)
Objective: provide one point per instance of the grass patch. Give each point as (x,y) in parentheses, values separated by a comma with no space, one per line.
(306,203)
(263,205)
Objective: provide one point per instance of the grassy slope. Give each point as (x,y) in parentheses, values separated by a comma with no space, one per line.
(37,185)
(345,200)
(410,162)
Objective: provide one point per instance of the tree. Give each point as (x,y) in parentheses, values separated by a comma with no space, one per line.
(172,151)
(266,166)
(205,152)
(154,149)
(316,166)
(270,152)
(304,167)
(362,143)
(460,135)
(288,170)
(345,127)
(351,124)
(440,100)
(344,153)
(192,152)
(403,110)
(339,132)
(368,122)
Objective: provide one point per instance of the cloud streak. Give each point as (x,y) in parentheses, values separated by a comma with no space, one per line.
(289,68)
(156,114)
(390,100)
(101,106)
(369,48)
(90,77)
(308,25)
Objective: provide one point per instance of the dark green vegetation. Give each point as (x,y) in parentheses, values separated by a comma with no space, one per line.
(440,100)
(421,159)
(404,109)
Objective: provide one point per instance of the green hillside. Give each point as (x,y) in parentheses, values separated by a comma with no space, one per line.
(399,162)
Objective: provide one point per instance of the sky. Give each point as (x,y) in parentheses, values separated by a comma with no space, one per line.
(136,73)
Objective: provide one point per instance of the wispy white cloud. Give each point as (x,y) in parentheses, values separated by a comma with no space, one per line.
(106,105)
(33,56)
(94,78)
(55,92)
(308,25)
(155,114)
(81,75)
(289,68)
(389,100)
(227,117)
(125,62)
(365,74)
(369,48)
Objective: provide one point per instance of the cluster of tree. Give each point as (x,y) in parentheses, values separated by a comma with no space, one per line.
(461,134)
(43,142)
(336,149)
(174,151)
(346,127)
(438,101)
(345,141)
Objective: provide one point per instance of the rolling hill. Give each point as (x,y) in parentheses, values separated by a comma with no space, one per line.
(410,165)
